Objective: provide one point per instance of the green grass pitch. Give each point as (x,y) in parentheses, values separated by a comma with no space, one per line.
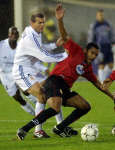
(13,117)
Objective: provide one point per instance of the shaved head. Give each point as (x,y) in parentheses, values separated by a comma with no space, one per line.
(13,33)
(12,28)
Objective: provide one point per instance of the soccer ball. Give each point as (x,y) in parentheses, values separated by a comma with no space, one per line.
(113,131)
(89,132)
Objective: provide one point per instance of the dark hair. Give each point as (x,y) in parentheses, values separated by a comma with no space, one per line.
(90,45)
(34,16)
(12,28)
(100,10)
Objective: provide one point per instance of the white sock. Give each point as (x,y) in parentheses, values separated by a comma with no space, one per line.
(107,71)
(28,108)
(32,98)
(39,108)
(59,117)
(101,75)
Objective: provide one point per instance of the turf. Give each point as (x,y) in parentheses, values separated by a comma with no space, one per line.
(12,117)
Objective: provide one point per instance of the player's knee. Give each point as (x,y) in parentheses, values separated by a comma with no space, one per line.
(56,109)
(55,103)
(87,108)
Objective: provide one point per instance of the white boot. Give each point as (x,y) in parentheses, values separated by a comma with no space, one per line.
(32,98)
(59,117)
(107,71)
(39,133)
(38,109)
(28,108)
(101,75)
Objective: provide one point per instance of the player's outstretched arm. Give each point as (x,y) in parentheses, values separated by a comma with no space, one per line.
(104,90)
(107,83)
(59,13)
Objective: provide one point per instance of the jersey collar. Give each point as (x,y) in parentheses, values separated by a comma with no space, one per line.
(35,33)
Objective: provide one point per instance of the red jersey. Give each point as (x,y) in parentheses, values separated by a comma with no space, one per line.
(74,66)
(112,76)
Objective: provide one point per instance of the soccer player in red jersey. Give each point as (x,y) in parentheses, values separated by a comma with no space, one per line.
(107,83)
(56,88)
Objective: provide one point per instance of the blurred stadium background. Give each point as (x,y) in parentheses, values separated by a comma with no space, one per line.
(80,13)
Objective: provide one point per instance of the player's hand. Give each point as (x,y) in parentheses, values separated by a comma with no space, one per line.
(60,42)
(59,12)
(106,84)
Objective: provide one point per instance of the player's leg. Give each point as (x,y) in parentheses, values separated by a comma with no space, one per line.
(101,72)
(54,103)
(107,62)
(32,98)
(39,132)
(40,107)
(54,100)
(13,91)
(27,82)
(24,105)
(108,70)
(82,107)
(59,117)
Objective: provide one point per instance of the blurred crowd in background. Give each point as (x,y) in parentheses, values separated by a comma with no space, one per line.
(86,21)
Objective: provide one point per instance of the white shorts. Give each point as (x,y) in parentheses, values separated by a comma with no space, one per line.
(25,77)
(9,84)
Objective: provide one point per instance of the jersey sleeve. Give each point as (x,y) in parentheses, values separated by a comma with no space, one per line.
(49,47)
(112,76)
(72,47)
(31,46)
(90,76)
(40,66)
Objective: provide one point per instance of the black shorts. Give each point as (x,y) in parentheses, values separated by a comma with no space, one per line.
(56,86)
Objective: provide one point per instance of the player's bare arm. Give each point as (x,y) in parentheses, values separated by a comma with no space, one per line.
(59,12)
(107,83)
(59,41)
(106,91)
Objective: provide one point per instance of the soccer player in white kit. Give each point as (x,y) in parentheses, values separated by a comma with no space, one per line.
(31,50)
(7,52)
(42,75)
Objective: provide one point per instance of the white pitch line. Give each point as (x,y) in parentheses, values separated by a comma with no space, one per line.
(13,120)
(51,121)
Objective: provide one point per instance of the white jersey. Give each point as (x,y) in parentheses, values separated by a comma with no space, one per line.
(31,49)
(6,57)
(6,64)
